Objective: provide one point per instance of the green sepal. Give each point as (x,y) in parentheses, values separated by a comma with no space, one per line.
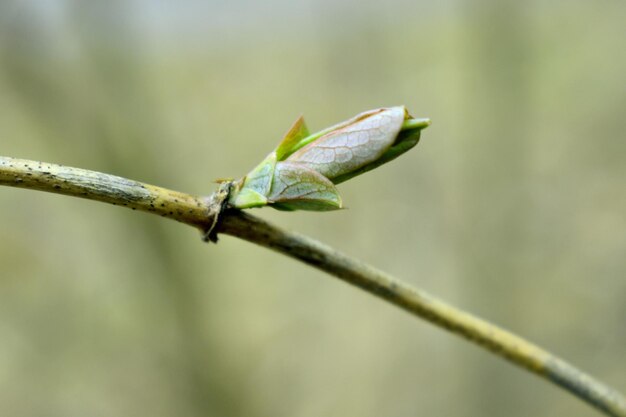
(260,178)
(247,198)
(255,186)
(296,133)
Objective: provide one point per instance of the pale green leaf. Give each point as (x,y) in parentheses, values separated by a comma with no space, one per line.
(354,144)
(297,187)
(260,178)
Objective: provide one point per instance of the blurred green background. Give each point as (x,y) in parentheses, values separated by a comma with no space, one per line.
(513,206)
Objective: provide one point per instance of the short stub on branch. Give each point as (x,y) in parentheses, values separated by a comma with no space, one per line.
(218,201)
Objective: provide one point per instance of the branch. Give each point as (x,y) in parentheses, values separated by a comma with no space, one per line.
(92,185)
(194,211)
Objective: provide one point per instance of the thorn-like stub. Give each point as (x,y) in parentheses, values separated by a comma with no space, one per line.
(218,202)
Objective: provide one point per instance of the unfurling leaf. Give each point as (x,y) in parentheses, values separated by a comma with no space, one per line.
(294,135)
(297,187)
(301,172)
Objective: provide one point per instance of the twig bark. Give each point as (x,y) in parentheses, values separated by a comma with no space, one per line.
(195,211)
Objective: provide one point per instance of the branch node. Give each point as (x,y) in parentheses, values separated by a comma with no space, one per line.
(218,202)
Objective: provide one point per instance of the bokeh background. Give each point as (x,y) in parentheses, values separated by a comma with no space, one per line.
(513,206)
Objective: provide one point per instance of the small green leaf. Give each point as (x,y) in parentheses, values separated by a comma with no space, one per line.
(297,187)
(247,198)
(295,134)
(260,178)
(251,191)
